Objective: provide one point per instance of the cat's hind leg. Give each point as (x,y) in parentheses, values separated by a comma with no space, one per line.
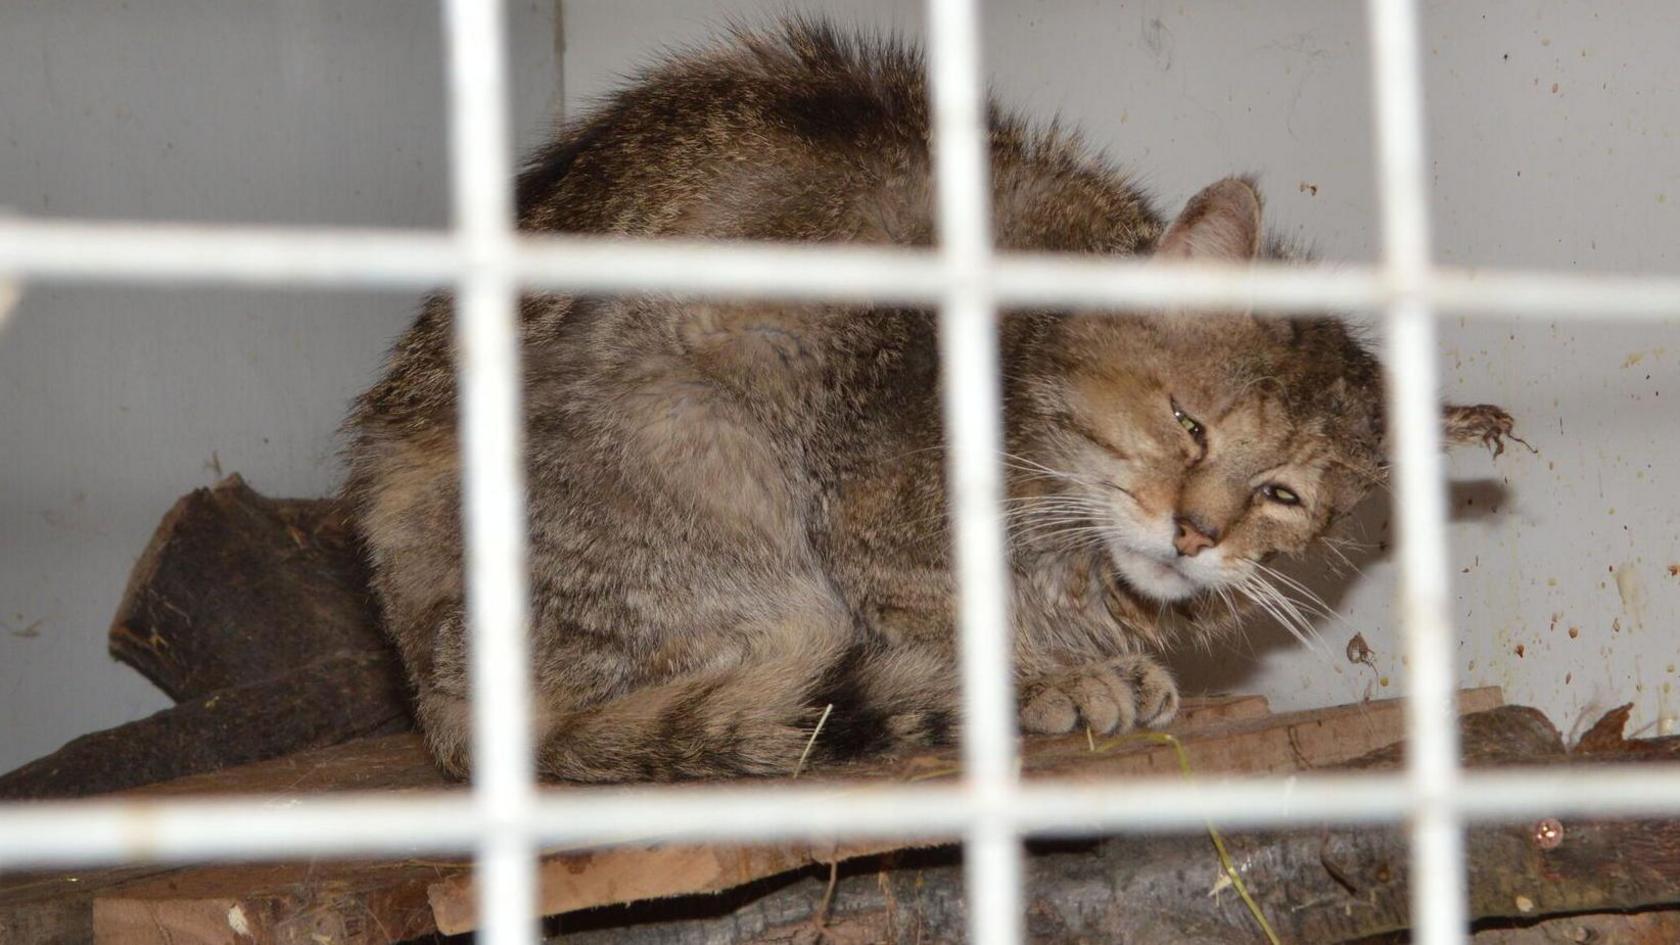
(758,718)
(753,714)
(725,723)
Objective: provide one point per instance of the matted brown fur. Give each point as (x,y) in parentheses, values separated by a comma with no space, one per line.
(738,509)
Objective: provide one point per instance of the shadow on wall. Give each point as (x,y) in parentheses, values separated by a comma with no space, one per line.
(1337,564)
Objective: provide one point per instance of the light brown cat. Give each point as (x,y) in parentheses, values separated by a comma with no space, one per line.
(738,509)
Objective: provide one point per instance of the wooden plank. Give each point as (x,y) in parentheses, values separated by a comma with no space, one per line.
(310,904)
(1252,745)
(400,762)
(57,908)
(1206,710)
(271,902)
(386,763)
(1289,741)
(345,903)
(620,875)
(579,879)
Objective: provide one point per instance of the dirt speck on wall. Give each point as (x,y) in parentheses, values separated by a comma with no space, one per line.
(1632,592)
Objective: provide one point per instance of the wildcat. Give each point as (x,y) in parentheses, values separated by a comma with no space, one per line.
(737,509)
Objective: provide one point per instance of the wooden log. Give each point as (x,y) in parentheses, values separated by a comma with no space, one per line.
(1606,739)
(1144,890)
(1657,927)
(323,702)
(235,588)
(1324,886)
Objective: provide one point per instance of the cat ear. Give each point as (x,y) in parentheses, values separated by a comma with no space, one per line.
(1220,224)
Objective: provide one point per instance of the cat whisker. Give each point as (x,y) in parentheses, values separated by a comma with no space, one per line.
(1231,605)
(1342,563)
(1088,509)
(1038,502)
(1312,600)
(1293,609)
(1052,518)
(1283,609)
(1078,533)
(1248,590)
(1020,507)
(1023,464)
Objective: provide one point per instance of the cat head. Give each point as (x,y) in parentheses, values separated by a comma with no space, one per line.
(1194,447)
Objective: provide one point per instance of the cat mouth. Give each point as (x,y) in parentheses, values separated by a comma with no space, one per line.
(1152,577)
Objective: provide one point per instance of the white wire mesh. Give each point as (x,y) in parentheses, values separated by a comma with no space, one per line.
(1438,874)
(482,260)
(492,471)
(973,412)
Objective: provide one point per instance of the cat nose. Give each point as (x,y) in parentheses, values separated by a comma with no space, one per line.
(1193,539)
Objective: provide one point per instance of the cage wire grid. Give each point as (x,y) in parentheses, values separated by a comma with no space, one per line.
(505,820)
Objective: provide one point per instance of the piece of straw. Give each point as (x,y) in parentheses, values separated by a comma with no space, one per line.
(813,741)
(1225,862)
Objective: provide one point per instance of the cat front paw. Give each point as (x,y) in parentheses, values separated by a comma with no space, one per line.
(1116,696)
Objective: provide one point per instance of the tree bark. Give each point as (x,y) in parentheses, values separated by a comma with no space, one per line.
(1326,885)
(341,696)
(1657,927)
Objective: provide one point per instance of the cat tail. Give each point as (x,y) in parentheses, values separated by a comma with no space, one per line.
(757,719)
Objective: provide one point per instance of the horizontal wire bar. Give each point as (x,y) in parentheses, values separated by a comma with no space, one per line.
(239,255)
(341,825)
(415,259)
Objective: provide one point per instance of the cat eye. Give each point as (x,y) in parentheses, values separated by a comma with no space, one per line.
(1190,424)
(1282,495)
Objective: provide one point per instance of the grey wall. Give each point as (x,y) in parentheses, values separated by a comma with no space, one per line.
(1553,144)
(115,400)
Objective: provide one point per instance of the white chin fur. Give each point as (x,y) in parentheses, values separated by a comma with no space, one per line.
(1153,578)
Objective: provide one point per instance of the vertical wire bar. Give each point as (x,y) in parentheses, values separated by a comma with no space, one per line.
(486,335)
(1438,879)
(973,415)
